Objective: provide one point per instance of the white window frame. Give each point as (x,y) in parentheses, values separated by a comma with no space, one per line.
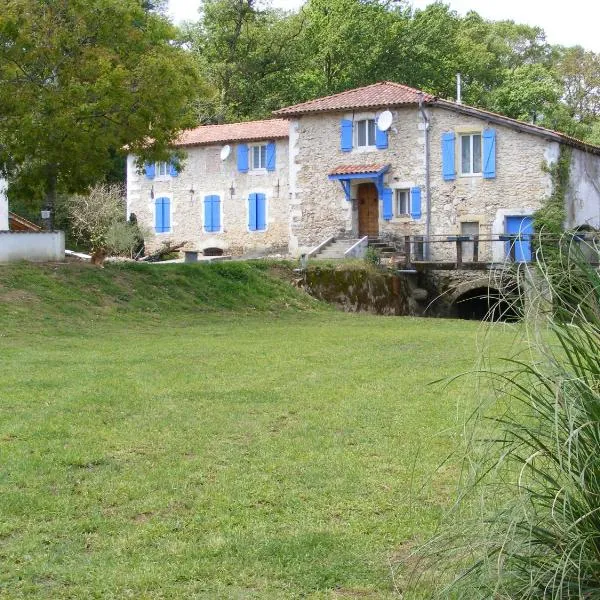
(356,124)
(471,172)
(258,147)
(157,170)
(397,192)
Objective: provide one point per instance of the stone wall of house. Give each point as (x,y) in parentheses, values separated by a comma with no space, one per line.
(520,187)
(583,192)
(319,208)
(204,173)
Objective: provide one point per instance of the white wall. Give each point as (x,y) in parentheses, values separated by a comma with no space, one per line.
(34,246)
(3,206)
(583,192)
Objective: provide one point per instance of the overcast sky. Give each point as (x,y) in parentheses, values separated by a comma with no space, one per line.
(569,23)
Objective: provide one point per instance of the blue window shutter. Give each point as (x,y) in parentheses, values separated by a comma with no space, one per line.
(208,222)
(261,212)
(216,213)
(162,215)
(448,161)
(271,154)
(166,214)
(415,202)
(381,138)
(346,135)
(387,204)
(489,153)
(149,169)
(173,172)
(252,212)
(242,158)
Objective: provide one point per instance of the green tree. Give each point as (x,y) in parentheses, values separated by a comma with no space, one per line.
(80,80)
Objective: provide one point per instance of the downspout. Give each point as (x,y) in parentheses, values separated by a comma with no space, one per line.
(427,182)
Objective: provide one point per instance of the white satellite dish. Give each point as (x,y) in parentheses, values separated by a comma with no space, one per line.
(225,152)
(384,121)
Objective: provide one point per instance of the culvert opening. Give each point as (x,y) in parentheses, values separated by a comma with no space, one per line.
(486,304)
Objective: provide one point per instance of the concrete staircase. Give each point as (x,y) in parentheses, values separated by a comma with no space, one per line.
(385,249)
(337,247)
(334,249)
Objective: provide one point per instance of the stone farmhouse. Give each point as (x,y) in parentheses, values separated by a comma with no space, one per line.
(327,169)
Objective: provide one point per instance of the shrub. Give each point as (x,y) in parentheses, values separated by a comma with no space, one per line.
(373,256)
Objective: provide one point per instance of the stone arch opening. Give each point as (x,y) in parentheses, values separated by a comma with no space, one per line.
(485,303)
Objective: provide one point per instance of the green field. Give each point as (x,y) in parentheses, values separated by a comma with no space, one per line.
(210,432)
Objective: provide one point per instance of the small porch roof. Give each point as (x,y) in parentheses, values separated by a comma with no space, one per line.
(345,173)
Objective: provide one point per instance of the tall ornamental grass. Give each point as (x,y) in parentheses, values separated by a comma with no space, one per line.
(528,525)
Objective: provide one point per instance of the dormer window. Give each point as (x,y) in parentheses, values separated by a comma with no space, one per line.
(365,133)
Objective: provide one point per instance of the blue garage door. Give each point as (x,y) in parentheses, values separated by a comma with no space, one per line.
(522,226)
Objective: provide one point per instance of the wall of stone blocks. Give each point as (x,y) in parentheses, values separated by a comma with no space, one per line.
(205,173)
(319,208)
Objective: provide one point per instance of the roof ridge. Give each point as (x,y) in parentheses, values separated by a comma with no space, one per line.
(340,97)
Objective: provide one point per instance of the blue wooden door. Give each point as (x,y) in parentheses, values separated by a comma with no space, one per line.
(522,226)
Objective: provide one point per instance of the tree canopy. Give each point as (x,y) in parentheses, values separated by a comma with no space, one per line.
(82,79)
(257,59)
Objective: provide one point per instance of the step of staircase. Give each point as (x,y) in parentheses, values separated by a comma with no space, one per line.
(335,250)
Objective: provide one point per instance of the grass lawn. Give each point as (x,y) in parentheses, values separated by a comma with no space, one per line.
(180,453)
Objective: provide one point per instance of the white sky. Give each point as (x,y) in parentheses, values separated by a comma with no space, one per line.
(568,23)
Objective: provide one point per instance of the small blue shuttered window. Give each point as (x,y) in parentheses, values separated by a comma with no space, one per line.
(212,214)
(164,168)
(489,153)
(162,215)
(257,212)
(448,160)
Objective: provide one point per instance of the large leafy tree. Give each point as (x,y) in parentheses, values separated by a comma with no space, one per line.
(80,81)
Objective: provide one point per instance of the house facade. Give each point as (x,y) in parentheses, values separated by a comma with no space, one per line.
(231,194)
(440,169)
(384,161)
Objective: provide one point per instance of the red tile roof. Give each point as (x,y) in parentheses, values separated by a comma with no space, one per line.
(234,132)
(357,169)
(18,223)
(385,93)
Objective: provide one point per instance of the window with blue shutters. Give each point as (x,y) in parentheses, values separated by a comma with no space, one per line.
(161,170)
(212,214)
(162,215)
(257,212)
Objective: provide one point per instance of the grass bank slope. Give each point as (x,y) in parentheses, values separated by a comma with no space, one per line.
(64,292)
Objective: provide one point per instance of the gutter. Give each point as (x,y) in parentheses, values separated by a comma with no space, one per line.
(427,182)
